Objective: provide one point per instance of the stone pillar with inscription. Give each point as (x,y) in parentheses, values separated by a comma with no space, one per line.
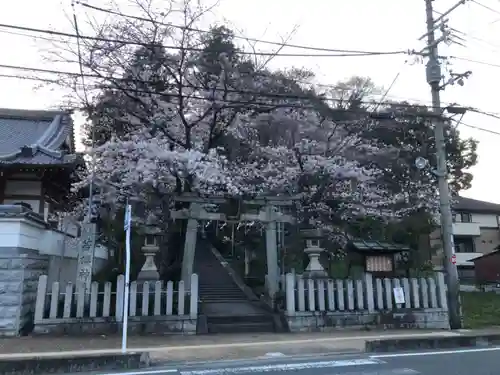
(86,255)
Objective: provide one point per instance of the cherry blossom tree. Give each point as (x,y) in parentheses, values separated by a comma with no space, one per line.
(174,110)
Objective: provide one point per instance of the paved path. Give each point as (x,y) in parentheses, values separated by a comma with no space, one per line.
(485,361)
(209,347)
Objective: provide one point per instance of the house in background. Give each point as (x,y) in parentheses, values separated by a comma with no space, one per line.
(487,268)
(476,232)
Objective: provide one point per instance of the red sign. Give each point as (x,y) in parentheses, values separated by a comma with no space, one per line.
(454,259)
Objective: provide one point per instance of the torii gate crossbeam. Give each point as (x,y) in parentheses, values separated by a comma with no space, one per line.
(266,214)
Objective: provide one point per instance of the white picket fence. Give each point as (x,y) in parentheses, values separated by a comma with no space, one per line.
(65,303)
(367,294)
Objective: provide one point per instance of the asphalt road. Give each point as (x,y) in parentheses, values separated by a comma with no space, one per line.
(459,362)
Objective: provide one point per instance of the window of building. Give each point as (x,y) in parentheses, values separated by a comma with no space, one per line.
(465,217)
(464,245)
(462,217)
(466,273)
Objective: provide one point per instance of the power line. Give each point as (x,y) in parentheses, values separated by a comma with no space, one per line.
(249,102)
(215,89)
(481,112)
(255,103)
(237,91)
(79,53)
(395,98)
(480,129)
(155,22)
(490,9)
(478,41)
(485,7)
(85,95)
(194,49)
(391,85)
(38,79)
(475,61)
(37,37)
(393,82)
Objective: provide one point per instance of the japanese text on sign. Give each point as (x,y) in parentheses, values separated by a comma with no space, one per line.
(86,254)
(399,296)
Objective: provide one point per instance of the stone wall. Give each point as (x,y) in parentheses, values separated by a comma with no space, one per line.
(403,319)
(137,325)
(19,272)
(64,269)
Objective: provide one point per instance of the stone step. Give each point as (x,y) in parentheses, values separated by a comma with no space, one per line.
(241,327)
(215,283)
(218,284)
(221,292)
(218,287)
(223,298)
(218,291)
(249,318)
(218,298)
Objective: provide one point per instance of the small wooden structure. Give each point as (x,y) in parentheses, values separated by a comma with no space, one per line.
(378,258)
(487,268)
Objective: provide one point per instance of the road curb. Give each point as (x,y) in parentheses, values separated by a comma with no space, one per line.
(445,342)
(76,363)
(158,363)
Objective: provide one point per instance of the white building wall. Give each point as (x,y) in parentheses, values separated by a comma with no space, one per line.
(63,259)
(485,220)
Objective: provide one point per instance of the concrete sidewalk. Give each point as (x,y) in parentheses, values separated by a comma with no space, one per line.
(203,348)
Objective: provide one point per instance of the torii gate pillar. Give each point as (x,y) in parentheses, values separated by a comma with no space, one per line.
(190,245)
(265,215)
(271,253)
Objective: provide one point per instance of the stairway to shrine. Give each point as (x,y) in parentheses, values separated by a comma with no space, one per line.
(227,308)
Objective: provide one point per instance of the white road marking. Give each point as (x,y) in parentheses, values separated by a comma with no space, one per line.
(144,372)
(397,371)
(274,355)
(284,367)
(423,354)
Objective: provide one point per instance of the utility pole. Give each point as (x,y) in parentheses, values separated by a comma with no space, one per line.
(433,73)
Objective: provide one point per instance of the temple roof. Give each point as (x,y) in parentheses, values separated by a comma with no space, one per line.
(30,137)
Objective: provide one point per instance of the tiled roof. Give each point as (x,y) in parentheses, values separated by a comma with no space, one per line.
(369,245)
(474,205)
(34,137)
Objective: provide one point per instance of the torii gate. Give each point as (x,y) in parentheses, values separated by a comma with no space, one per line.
(267,214)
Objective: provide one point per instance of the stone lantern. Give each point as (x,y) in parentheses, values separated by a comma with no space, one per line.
(313,250)
(149,271)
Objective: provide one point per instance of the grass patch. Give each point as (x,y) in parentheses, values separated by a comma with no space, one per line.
(480,309)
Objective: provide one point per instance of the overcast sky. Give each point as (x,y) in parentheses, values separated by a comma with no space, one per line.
(356,24)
